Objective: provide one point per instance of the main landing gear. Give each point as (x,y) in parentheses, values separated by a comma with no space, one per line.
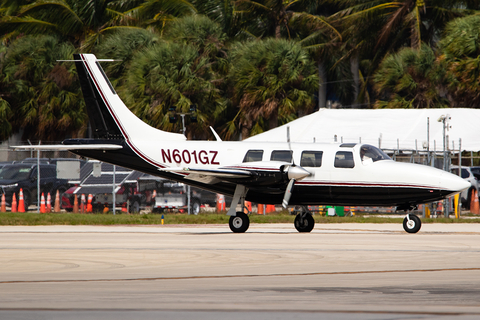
(239,221)
(304,221)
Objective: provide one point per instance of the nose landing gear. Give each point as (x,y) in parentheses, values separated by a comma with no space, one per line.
(412,223)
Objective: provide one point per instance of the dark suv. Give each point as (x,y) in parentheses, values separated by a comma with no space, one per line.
(24,176)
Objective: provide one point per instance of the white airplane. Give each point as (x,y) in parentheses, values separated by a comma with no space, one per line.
(284,173)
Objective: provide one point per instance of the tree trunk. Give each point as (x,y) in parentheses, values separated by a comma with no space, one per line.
(322,86)
(354,68)
(273,120)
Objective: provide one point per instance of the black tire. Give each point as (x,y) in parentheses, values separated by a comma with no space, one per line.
(195,207)
(239,223)
(412,226)
(305,223)
(134,207)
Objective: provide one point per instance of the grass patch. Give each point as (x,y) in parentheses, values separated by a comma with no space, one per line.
(34,219)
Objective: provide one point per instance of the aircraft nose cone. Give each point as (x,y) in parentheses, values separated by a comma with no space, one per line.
(453,182)
(297,173)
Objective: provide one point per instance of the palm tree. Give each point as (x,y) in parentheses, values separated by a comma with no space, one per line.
(460,56)
(325,43)
(83,22)
(121,46)
(273,80)
(43,97)
(226,14)
(410,79)
(375,28)
(270,18)
(167,75)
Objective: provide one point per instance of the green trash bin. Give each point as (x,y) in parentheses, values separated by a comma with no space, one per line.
(340,211)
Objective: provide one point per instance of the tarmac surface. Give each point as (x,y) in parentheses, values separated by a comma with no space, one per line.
(338,271)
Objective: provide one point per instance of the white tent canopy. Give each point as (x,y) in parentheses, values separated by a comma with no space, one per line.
(405,129)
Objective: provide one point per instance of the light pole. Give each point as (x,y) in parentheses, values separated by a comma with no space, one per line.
(193,118)
(445,119)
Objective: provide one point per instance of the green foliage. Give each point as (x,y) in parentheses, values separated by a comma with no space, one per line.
(410,79)
(121,47)
(171,74)
(35,219)
(273,79)
(43,95)
(460,56)
(177,53)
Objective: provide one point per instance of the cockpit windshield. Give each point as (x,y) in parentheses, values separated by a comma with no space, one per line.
(370,154)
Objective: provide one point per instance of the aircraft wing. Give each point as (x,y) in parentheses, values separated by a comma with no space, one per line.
(216,173)
(70,147)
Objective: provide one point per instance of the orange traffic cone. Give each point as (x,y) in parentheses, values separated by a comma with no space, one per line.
(220,202)
(42,204)
(475,208)
(248,207)
(124,207)
(21,203)
(49,202)
(82,204)
(57,202)
(89,204)
(439,208)
(4,204)
(260,208)
(270,208)
(75,204)
(14,203)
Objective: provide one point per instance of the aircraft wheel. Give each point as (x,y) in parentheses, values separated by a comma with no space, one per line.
(304,222)
(413,225)
(239,223)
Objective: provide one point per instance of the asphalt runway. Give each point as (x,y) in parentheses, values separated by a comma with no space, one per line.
(339,271)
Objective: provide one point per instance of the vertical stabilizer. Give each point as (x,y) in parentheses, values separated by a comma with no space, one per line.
(109,116)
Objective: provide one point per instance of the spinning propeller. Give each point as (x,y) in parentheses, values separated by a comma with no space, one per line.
(294,173)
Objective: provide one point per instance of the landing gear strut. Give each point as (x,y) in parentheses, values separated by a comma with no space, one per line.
(239,221)
(304,221)
(412,223)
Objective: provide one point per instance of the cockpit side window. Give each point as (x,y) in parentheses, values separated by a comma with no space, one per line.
(370,154)
(311,159)
(253,155)
(281,155)
(344,159)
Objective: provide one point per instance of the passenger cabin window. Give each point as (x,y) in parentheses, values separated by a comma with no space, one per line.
(281,155)
(311,159)
(344,159)
(253,155)
(370,154)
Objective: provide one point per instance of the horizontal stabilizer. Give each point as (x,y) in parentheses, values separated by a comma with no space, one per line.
(70,147)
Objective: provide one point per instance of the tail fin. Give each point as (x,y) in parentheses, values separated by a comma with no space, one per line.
(109,116)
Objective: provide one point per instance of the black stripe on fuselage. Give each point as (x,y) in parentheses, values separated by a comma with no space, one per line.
(353,195)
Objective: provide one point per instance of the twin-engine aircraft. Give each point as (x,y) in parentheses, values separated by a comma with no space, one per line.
(299,174)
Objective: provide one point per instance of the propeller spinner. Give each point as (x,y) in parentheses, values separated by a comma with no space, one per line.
(294,173)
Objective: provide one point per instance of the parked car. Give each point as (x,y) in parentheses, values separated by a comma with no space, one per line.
(474,179)
(23,176)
